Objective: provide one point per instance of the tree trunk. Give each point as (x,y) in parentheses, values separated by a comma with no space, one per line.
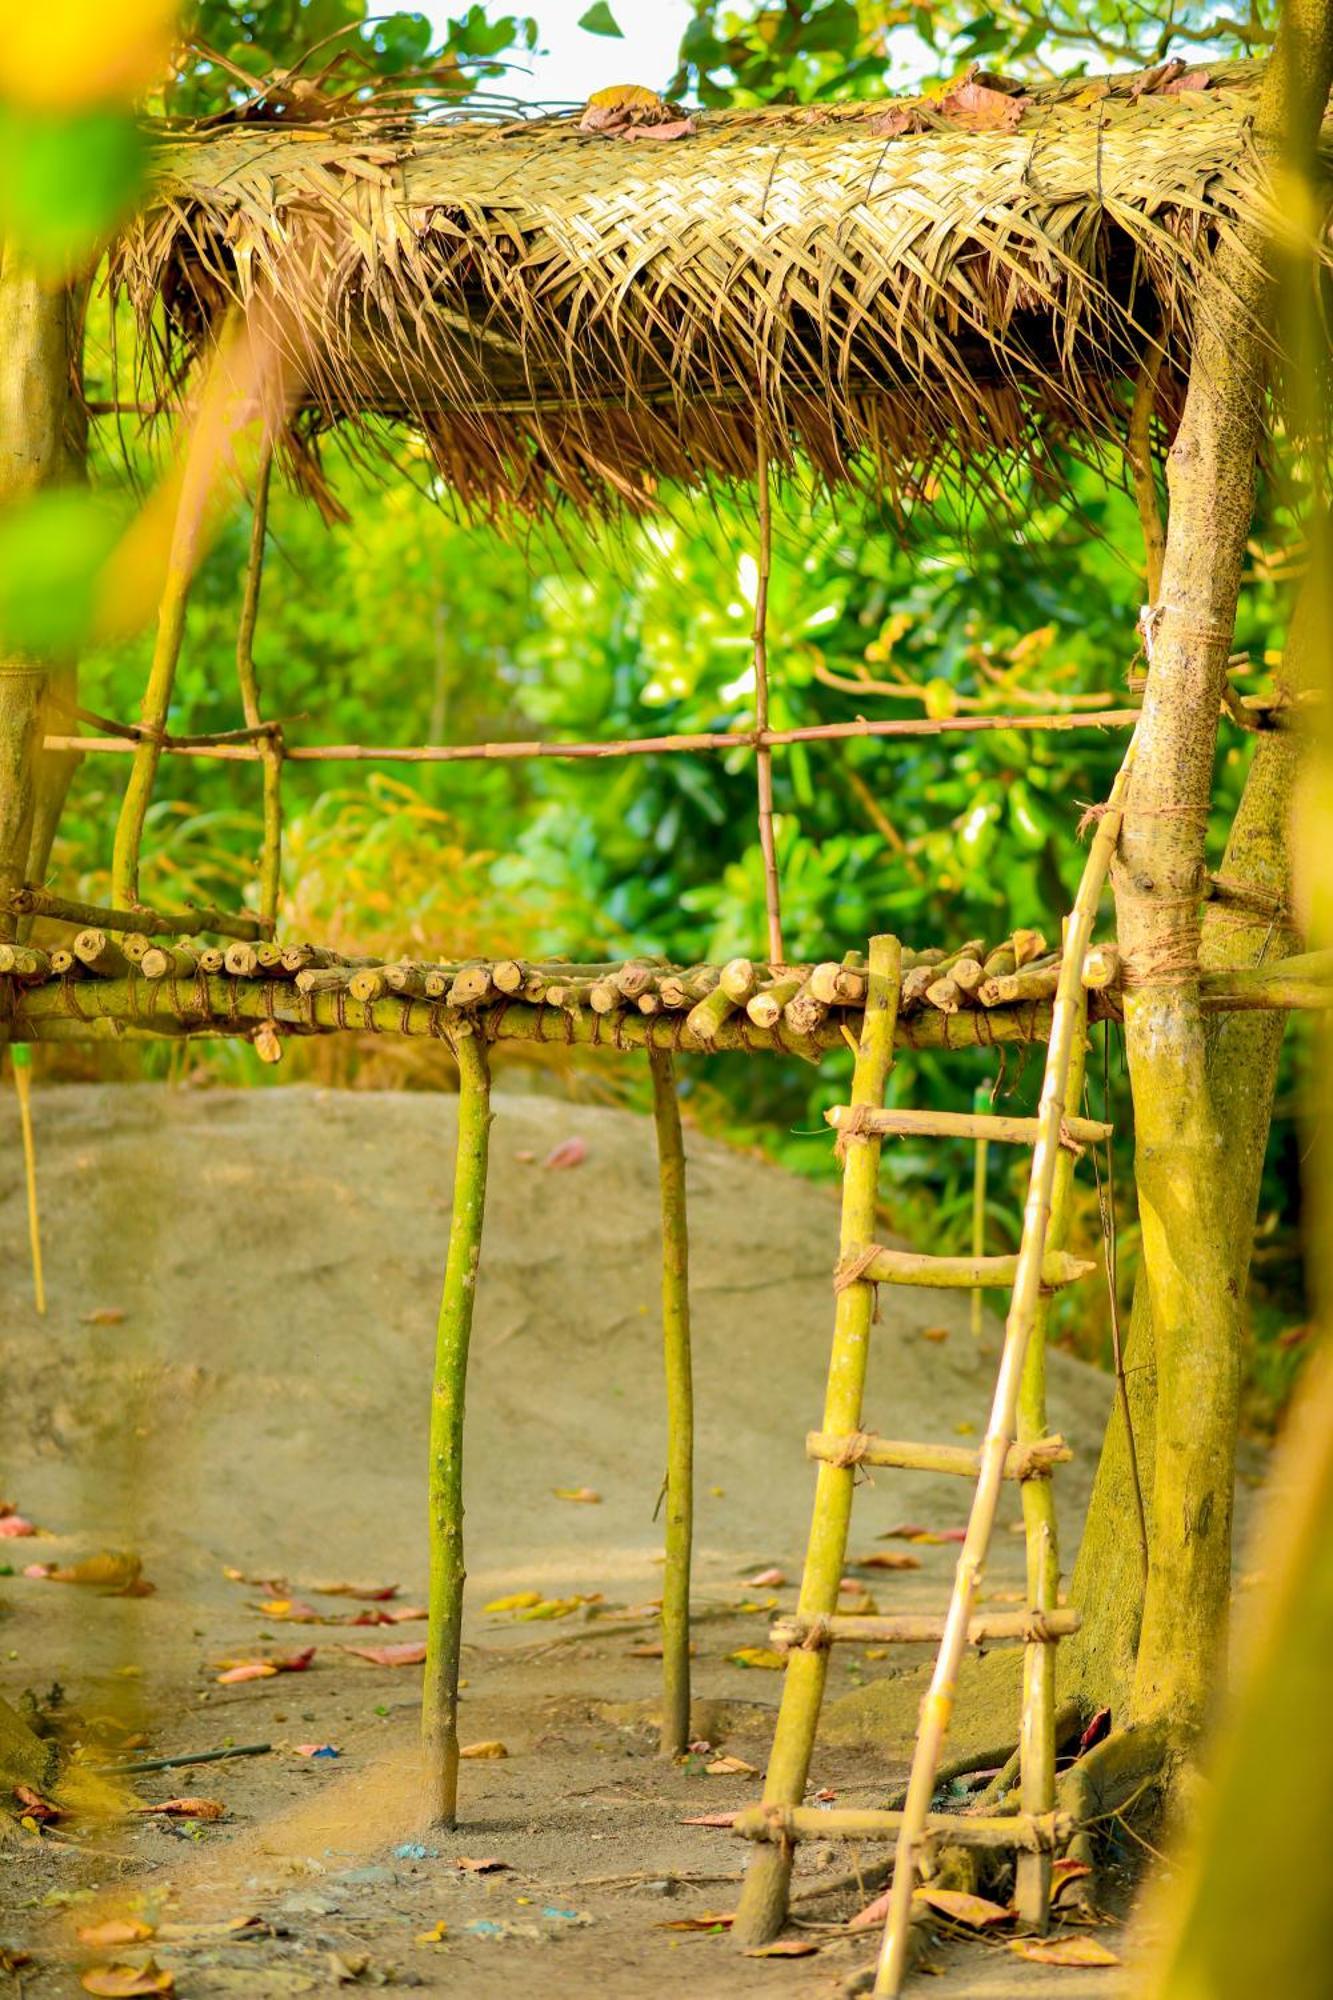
(1185,1182)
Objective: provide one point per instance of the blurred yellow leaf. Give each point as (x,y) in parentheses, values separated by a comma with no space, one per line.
(520,1601)
(961,1908)
(1071,1951)
(757,1656)
(66,55)
(492,1748)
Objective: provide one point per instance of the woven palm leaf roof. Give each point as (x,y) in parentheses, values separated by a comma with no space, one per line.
(565,312)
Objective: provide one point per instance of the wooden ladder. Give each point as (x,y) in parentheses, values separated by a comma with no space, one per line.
(1015,1446)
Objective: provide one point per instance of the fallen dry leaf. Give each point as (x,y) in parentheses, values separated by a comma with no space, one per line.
(569,1153)
(409,1654)
(521,1600)
(934,1333)
(976,107)
(888,1559)
(710,1819)
(767,1579)
(111,1570)
(873,1914)
(1064,1871)
(961,1908)
(35,1806)
(117,1930)
(757,1656)
(730,1767)
(1070,1951)
(784,1948)
(14,1527)
(290,1610)
(235,1671)
(492,1747)
(186,1808)
(1097,1729)
(372,1593)
(490,1864)
(631,111)
(586,1495)
(707,1920)
(436,1936)
(103,1316)
(121,1982)
(558,1607)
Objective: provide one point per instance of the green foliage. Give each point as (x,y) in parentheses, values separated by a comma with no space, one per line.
(66,181)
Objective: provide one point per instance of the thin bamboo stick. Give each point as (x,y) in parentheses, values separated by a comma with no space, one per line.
(1028,1461)
(270,745)
(763,755)
(994,1125)
(916,1267)
(29,902)
(999,1834)
(980,1154)
(923,1628)
(763,1899)
(439,1695)
(675,1731)
(725,740)
(22,1061)
(1067,1022)
(155,707)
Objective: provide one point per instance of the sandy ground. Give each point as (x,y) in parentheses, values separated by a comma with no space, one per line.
(234,1372)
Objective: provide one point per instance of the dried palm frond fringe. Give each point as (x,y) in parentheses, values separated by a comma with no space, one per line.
(564,313)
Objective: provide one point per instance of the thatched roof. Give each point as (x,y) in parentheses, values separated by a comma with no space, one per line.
(559,311)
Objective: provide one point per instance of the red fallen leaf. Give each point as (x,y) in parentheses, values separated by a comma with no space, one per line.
(887,1559)
(1195,79)
(407,1614)
(372,1593)
(872,1915)
(13,1526)
(35,1806)
(261,1670)
(784,1948)
(41,1571)
(1064,1871)
(906,1531)
(1097,1729)
(185,1809)
(675,128)
(710,1819)
(409,1654)
(897,121)
(291,1610)
(121,1982)
(375,1614)
(569,1153)
(490,1864)
(767,1579)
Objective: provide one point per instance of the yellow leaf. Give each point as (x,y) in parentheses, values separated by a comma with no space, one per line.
(730,1767)
(1070,1951)
(116,1930)
(965,1429)
(757,1656)
(961,1908)
(491,1748)
(624,97)
(784,1948)
(584,1494)
(121,1982)
(939,700)
(436,1936)
(521,1600)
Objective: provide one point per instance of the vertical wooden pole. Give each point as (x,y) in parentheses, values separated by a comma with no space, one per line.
(675,1735)
(270,747)
(444,1630)
(1032,1890)
(763,1900)
(763,756)
(21,1058)
(981,1102)
(153,712)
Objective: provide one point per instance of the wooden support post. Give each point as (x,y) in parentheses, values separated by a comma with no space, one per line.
(270,744)
(763,1899)
(21,1057)
(981,1103)
(675,1736)
(444,1630)
(763,754)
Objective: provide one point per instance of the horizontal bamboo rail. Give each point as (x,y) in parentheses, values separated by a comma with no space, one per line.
(29,902)
(863,1448)
(946,1274)
(924,1628)
(965,1125)
(1001,1832)
(228,749)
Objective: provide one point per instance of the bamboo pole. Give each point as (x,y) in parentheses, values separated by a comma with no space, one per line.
(975,1124)
(231,749)
(28,901)
(763,1899)
(270,744)
(782,1824)
(22,1061)
(1067,1022)
(156,704)
(444,1629)
(1027,1461)
(925,1628)
(962,1274)
(1037,1746)
(981,1105)
(763,755)
(675,1731)
(1139,454)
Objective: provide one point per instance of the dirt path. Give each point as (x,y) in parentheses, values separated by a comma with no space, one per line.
(233,1373)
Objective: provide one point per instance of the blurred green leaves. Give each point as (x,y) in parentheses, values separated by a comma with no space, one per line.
(52,549)
(599,20)
(65,182)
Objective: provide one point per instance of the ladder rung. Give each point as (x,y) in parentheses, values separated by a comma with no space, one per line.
(889,1124)
(911,1267)
(1022,1461)
(923,1628)
(1031,1833)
